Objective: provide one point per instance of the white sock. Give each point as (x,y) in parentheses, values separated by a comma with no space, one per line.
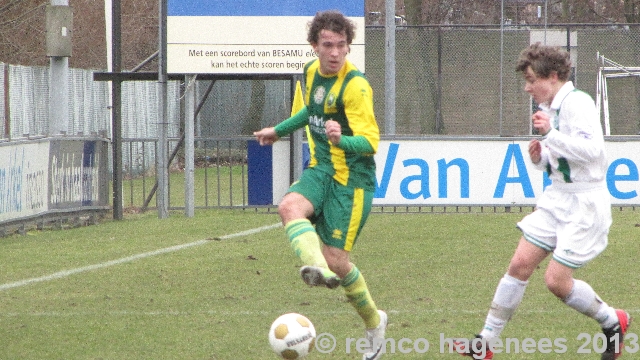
(585,300)
(508,296)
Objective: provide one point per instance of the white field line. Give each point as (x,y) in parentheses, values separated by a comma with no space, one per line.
(249,232)
(65,273)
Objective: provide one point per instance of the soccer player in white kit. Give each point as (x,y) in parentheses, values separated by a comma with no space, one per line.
(573,215)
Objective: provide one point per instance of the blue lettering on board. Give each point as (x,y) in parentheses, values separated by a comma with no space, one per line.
(514,153)
(11,183)
(422,178)
(612,177)
(513,160)
(443,166)
(381,189)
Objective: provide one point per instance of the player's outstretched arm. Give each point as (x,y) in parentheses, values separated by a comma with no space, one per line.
(266,136)
(269,135)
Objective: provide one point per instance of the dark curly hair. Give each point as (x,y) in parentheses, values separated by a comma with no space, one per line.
(544,59)
(332,20)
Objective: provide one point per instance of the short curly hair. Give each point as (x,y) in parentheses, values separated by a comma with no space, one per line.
(544,59)
(332,20)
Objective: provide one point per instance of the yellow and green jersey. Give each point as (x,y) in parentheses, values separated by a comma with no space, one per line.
(348,99)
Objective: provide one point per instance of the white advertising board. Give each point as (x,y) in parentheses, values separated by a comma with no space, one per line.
(484,173)
(23,180)
(249,36)
(471,172)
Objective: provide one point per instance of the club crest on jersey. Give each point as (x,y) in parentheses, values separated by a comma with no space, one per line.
(318,96)
(331,100)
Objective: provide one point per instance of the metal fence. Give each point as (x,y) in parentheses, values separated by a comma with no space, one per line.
(24,104)
(450,80)
(220,177)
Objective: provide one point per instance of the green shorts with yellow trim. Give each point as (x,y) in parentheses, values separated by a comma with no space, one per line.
(339,211)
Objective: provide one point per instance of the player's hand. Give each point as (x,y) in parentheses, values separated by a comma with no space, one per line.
(266,136)
(541,122)
(535,150)
(333,130)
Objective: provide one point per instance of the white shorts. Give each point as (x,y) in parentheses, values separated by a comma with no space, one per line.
(572,225)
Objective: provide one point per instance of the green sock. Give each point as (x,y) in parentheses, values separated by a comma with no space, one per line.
(355,288)
(305,243)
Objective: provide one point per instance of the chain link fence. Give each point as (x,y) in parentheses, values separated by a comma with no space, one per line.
(462,81)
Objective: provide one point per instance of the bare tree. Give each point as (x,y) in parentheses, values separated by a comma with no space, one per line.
(423,12)
(632,11)
(23,43)
(413,11)
(20,42)
(139,32)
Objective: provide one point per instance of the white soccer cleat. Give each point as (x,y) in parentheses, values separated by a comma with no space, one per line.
(375,338)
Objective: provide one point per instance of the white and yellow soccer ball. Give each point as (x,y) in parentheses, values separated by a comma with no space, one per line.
(292,336)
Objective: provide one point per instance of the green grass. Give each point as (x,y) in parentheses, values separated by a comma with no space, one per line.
(433,273)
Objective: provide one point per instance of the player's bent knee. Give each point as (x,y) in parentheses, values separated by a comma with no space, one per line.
(283,209)
(556,290)
(294,206)
(289,209)
(520,270)
(557,285)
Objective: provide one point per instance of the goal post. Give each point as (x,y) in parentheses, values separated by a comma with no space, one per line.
(608,69)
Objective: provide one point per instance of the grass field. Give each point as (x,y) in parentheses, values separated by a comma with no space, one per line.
(207,288)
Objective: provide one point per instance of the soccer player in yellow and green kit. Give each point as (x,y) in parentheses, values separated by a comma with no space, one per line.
(332,198)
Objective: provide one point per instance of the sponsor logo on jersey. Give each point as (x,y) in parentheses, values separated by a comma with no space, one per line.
(318,96)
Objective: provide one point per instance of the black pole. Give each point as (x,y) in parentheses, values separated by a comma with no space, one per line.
(439,125)
(572,75)
(292,163)
(116,115)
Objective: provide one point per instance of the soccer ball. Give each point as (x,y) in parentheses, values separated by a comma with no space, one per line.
(292,336)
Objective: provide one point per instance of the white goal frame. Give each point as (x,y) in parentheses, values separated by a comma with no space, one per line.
(609,69)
